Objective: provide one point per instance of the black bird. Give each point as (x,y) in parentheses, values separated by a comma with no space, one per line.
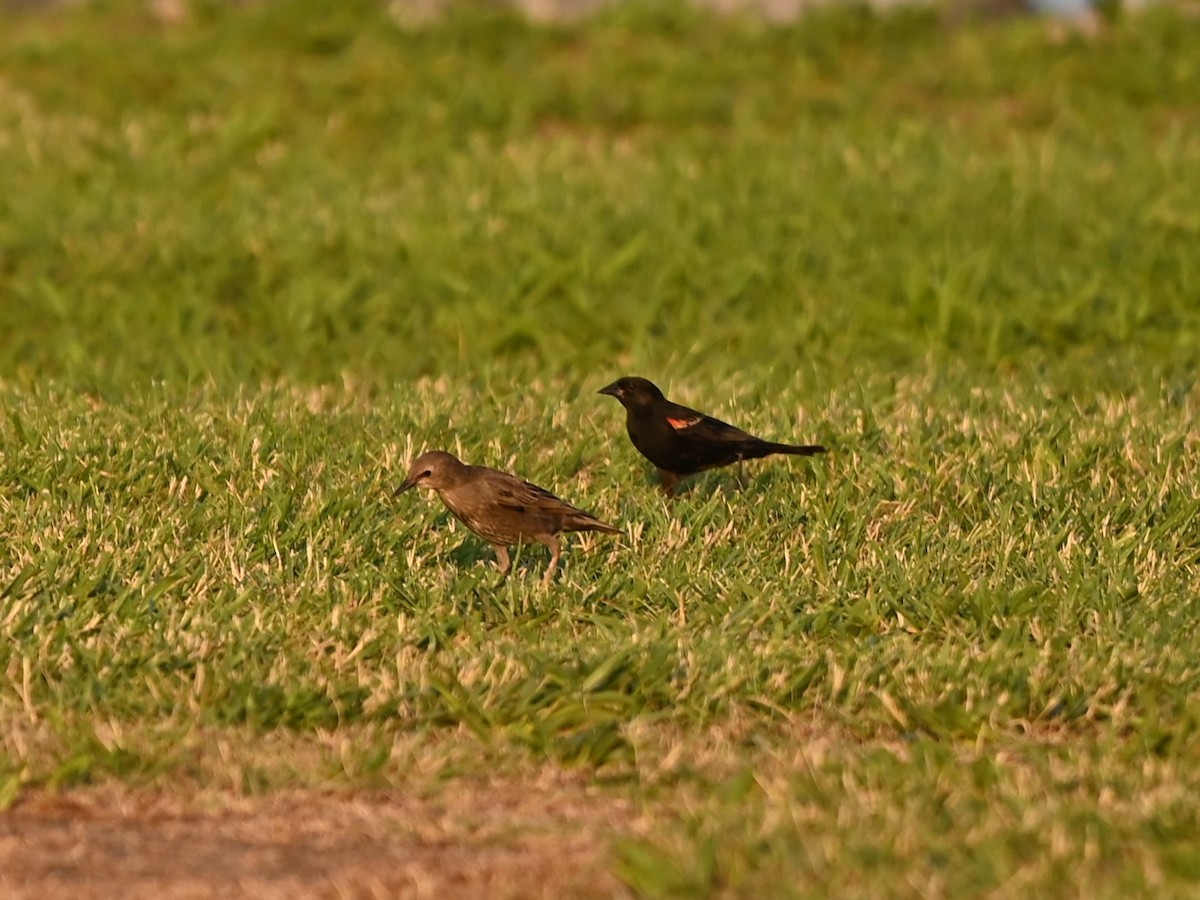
(498,507)
(680,441)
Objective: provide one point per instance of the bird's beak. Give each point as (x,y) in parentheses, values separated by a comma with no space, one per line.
(407,484)
(612,390)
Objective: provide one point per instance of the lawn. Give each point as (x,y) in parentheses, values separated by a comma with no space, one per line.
(253,261)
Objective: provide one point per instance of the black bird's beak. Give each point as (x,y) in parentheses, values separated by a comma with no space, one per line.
(407,484)
(612,390)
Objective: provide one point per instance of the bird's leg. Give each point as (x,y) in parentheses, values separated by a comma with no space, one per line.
(669,480)
(503,561)
(555,550)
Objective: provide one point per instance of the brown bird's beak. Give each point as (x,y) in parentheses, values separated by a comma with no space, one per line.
(612,390)
(408,483)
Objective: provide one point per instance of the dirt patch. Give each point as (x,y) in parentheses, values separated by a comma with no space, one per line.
(544,837)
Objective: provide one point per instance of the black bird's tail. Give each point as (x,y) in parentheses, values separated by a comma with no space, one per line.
(767,448)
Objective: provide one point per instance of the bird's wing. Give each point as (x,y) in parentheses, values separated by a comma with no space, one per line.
(524,496)
(529,508)
(688,423)
(541,511)
(502,507)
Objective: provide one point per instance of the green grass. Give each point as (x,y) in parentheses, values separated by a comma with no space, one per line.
(252,263)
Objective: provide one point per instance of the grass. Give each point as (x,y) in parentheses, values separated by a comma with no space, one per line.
(254,262)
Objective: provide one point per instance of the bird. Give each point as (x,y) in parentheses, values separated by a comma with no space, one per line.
(501,508)
(680,441)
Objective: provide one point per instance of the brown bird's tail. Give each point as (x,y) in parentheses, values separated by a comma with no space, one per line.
(584,522)
(767,448)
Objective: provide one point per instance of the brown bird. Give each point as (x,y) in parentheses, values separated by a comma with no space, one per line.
(680,441)
(498,507)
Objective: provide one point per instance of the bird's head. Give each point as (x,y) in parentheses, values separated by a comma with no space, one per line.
(633,392)
(436,470)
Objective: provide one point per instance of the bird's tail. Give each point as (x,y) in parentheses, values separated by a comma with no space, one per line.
(584,522)
(766,448)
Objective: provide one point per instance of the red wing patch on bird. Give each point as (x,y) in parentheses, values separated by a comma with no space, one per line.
(680,424)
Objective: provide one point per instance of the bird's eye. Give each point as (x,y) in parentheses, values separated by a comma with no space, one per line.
(426,473)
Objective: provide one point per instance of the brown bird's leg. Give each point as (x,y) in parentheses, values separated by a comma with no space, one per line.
(669,480)
(555,550)
(502,561)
